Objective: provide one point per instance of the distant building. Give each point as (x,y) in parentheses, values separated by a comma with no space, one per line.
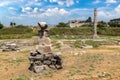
(77,23)
(115,20)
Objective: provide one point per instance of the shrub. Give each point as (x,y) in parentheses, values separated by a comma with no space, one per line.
(1,26)
(62,24)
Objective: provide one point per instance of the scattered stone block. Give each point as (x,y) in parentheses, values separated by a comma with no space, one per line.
(10,47)
(87,46)
(104,75)
(43,49)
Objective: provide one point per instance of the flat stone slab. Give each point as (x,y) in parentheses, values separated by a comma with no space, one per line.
(45,41)
(43,49)
(87,46)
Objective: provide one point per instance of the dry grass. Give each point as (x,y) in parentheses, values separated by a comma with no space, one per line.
(102,63)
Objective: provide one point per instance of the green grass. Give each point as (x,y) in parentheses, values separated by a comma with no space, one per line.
(17,32)
(58,45)
(18,60)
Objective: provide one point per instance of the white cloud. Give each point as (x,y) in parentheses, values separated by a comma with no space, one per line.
(14,17)
(62,2)
(117,9)
(77,1)
(107,13)
(4,3)
(111,1)
(36,0)
(50,15)
(45,13)
(12,8)
(33,2)
(69,2)
(54,11)
(27,9)
(22,0)
(96,1)
(45,0)
(54,0)
(35,10)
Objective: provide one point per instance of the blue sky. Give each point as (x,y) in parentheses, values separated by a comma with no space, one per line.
(30,12)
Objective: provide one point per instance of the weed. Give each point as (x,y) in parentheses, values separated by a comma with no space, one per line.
(92,68)
(6,68)
(20,79)
(58,45)
(49,74)
(77,44)
(95,44)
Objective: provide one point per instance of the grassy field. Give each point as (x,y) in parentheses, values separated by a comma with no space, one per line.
(102,62)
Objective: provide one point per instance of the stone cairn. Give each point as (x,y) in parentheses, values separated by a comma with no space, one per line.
(43,57)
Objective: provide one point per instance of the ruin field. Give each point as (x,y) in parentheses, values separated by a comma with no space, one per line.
(101,63)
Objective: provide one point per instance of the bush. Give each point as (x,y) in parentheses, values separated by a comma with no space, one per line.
(1,26)
(62,24)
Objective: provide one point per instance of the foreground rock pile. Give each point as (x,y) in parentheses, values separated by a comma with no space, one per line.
(40,62)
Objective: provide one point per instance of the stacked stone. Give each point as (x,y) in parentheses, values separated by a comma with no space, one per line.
(43,56)
(44,41)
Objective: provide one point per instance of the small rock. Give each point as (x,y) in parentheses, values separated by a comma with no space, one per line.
(65,36)
(104,74)
(87,46)
(76,54)
(10,47)
(118,43)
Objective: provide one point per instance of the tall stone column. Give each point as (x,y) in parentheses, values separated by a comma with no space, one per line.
(95,36)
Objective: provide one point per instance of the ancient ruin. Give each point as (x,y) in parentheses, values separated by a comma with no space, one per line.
(78,23)
(43,56)
(95,36)
(10,47)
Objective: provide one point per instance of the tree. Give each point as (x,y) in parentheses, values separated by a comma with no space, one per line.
(12,24)
(62,24)
(1,26)
(102,24)
(114,22)
(89,20)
